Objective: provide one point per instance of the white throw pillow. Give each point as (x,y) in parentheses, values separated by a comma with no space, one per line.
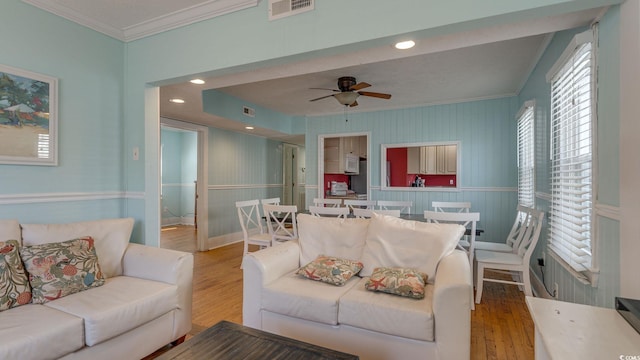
(394,242)
(330,236)
(111,238)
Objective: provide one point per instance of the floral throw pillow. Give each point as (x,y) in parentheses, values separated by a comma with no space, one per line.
(397,281)
(14,282)
(330,269)
(61,269)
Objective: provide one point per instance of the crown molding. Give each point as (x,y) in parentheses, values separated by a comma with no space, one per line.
(186,16)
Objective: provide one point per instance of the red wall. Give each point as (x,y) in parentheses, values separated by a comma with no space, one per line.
(328,178)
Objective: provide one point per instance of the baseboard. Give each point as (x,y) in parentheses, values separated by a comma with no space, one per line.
(224,240)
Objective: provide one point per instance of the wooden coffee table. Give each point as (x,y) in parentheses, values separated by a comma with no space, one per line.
(229,341)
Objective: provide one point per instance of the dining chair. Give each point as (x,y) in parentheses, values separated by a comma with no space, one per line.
(359,204)
(281,222)
(466,243)
(271,201)
(327,202)
(251,224)
(523,216)
(404,206)
(339,212)
(366,213)
(451,206)
(514,263)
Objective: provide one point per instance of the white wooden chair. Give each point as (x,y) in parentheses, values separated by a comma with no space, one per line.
(404,206)
(466,219)
(327,202)
(450,206)
(514,263)
(339,212)
(281,222)
(359,204)
(251,224)
(271,201)
(514,237)
(366,213)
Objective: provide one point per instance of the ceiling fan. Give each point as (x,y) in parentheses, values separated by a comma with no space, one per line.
(349,91)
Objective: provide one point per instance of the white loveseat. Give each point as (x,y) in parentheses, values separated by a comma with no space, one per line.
(144,304)
(349,318)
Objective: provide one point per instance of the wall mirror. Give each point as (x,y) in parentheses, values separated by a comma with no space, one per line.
(432,166)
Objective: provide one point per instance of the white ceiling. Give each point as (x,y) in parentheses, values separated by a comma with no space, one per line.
(490,63)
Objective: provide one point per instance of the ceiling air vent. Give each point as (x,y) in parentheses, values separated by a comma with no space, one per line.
(248,111)
(283,8)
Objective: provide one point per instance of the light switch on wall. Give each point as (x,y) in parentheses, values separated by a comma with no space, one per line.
(136,153)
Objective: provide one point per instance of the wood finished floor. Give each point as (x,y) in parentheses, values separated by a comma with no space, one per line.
(501,327)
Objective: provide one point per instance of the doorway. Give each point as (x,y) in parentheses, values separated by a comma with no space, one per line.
(183,210)
(293,175)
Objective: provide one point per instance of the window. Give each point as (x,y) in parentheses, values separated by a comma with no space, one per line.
(572,155)
(526,160)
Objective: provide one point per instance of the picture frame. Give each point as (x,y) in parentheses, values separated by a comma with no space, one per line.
(28,118)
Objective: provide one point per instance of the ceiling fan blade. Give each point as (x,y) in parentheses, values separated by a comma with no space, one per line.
(375,94)
(359,86)
(320,98)
(355,103)
(336,90)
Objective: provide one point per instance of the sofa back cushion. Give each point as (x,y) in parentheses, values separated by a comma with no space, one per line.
(111,238)
(10,230)
(394,242)
(330,236)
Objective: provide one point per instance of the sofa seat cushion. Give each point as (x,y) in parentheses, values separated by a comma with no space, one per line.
(389,314)
(37,332)
(299,297)
(121,304)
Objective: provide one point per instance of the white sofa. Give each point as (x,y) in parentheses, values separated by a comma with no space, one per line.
(349,318)
(144,304)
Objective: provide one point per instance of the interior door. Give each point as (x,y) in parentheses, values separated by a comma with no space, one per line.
(289,162)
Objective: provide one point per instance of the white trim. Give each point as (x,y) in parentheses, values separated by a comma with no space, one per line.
(60,197)
(607,211)
(134,195)
(527,104)
(190,15)
(243,186)
(192,184)
(581,277)
(577,40)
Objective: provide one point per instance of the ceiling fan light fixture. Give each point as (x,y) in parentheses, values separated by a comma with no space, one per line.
(346,98)
(404,45)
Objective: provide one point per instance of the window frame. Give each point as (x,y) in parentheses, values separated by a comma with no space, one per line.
(526,113)
(586,273)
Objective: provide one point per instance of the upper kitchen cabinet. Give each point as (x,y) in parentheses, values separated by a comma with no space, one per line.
(336,150)
(432,160)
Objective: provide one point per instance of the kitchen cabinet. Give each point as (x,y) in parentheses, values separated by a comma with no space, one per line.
(333,156)
(432,160)
(336,149)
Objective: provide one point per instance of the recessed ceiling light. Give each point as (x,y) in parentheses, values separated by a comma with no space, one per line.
(249,127)
(197,81)
(403,45)
(177,101)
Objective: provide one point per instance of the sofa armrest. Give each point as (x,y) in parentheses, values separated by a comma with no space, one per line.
(261,268)
(168,266)
(452,298)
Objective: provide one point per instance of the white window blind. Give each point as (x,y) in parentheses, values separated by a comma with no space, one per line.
(572,159)
(526,160)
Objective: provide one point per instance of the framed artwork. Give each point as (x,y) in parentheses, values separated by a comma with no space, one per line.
(28,118)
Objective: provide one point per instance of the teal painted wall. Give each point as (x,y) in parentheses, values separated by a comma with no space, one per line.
(179,171)
(606,221)
(241,167)
(88,183)
(485,130)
